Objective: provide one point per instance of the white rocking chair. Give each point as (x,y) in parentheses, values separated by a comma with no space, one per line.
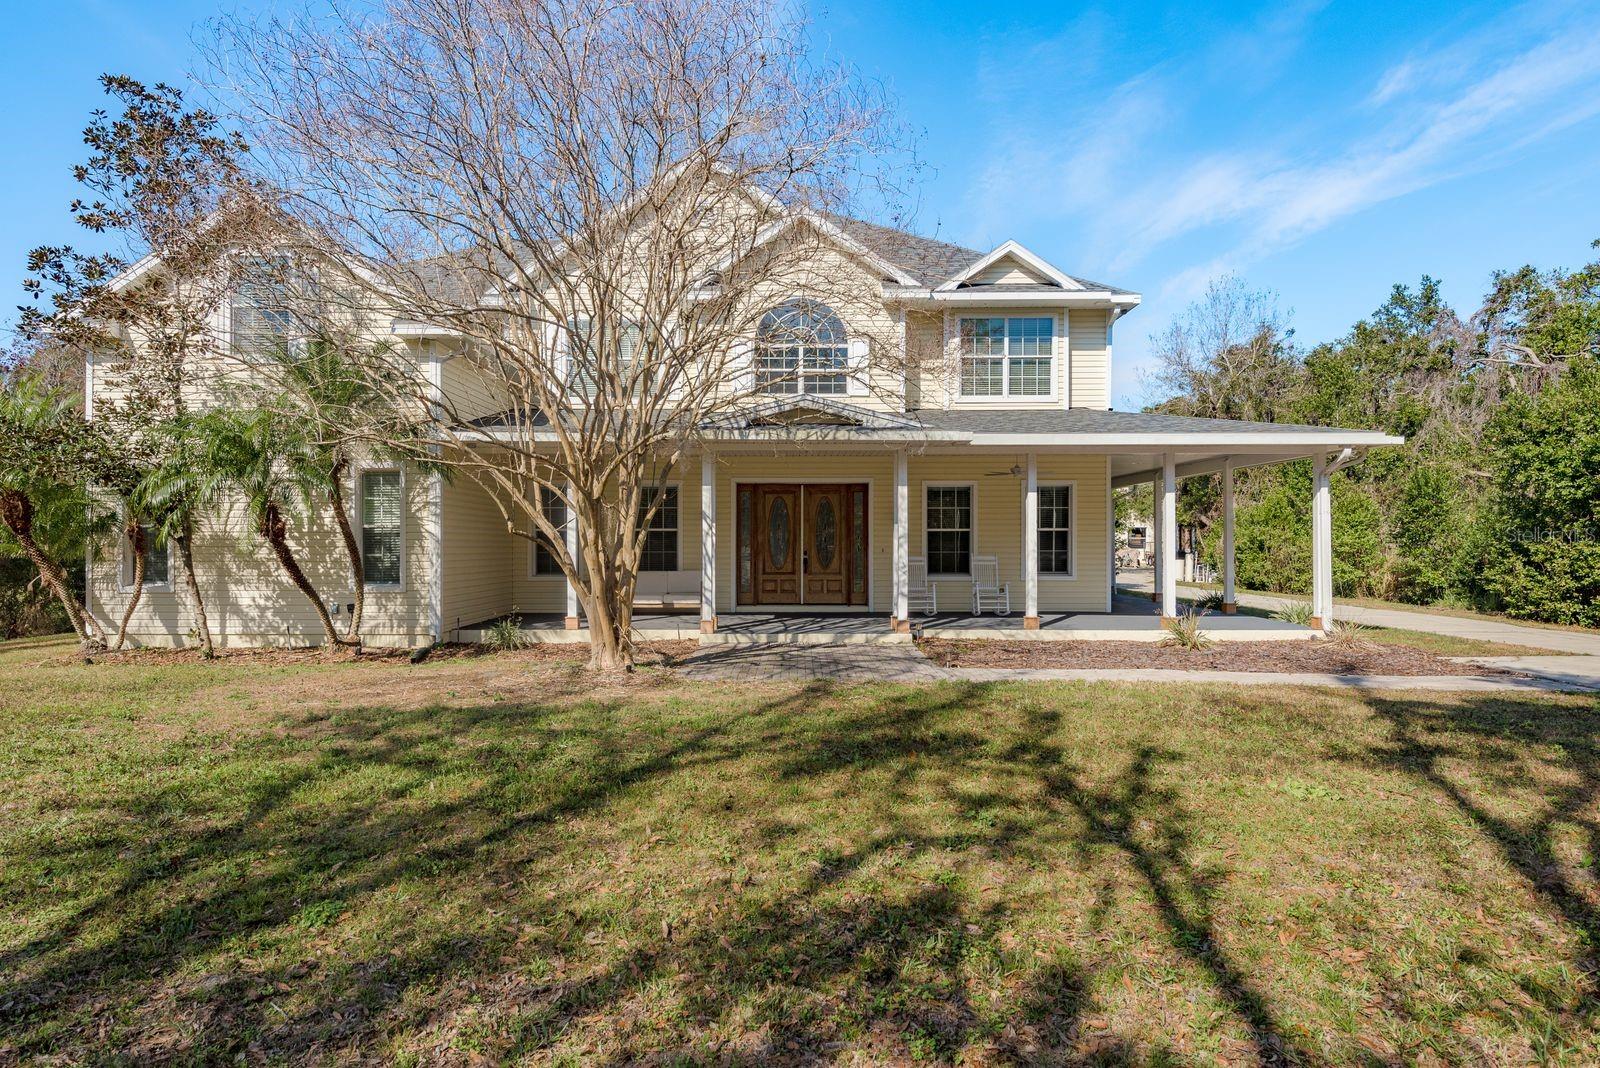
(921,595)
(989,594)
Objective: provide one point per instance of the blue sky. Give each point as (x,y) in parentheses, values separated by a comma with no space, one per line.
(1322,150)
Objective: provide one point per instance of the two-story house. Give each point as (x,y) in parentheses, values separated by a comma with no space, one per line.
(997,462)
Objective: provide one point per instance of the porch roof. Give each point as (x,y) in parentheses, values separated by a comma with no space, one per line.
(1135,441)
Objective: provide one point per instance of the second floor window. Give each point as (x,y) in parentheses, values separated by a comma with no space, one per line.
(802,347)
(584,357)
(1008,356)
(258,311)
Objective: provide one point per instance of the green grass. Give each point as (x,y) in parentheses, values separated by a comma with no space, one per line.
(1437,644)
(490,859)
(1402,606)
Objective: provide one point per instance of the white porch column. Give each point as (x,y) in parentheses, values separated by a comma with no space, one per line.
(708,543)
(571,532)
(1230,602)
(435,521)
(1155,539)
(1030,545)
(1321,546)
(900,620)
(1168,510)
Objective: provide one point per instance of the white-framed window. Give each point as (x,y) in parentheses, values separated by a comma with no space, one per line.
(259,317)
(382,510)
(545,559)
(582,361)
(660,549)
(157,561)
(947,528)
(1055,529)
(802,347)
(1008,356)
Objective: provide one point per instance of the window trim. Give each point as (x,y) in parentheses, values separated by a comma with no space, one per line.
(533,551)
(125,568)
(1071,486)
(972,528)
(1005,396)
(848,373)
(293,339)
(677,529)
(358,500)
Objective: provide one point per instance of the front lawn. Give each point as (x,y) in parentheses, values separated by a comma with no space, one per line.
(487,859)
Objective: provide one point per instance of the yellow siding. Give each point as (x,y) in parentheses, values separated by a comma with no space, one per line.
(248,599)
(997,524)
(1091,359)
(1007,270)
(468,393)
(478,555)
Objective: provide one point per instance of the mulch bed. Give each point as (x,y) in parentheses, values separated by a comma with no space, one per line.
(649,653)
(1327,657)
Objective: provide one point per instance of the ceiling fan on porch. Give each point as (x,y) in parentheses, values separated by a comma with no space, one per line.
(1015,471)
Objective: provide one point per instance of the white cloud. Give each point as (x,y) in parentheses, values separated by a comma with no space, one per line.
(1131,193)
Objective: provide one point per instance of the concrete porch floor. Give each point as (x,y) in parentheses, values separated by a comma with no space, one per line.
(1132,619)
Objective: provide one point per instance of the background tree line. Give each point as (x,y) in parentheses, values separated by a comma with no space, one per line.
(1493,502)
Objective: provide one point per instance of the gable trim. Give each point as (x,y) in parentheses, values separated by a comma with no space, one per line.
(768,412)
(1015,250)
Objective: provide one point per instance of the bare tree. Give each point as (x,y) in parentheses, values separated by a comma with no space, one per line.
(588,211)
(1229,355)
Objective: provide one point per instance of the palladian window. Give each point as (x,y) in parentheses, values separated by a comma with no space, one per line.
(802,347)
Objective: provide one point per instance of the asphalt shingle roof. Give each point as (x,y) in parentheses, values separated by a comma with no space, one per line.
(929,261)
(1093,421)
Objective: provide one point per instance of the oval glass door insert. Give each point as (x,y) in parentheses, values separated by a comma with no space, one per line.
(827,533)
(778,533)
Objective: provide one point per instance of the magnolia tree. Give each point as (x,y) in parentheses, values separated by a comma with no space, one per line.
(166,192)
(574,220)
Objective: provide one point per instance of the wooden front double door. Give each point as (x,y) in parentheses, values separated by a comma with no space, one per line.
(802,543)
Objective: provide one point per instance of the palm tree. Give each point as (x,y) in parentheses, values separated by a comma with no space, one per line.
(341,410)
(133,531)
(176,493)
(267,457)
(45,505)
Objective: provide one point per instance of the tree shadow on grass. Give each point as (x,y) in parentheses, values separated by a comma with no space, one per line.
(268,880)
(1447,744)
(1135,814)
(796,968)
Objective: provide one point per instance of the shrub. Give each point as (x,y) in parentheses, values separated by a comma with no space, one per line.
(503,635)
(1184,632)
(1296,612)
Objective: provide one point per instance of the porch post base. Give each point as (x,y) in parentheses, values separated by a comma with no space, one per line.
(1030,622)
(571,623)
(708,626)
(1230,608)
(1315,623)
(1169,619)
(900,626)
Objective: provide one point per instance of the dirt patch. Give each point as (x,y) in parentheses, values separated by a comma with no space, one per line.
(1328,657)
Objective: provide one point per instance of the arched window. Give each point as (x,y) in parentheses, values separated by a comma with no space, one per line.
(802,347)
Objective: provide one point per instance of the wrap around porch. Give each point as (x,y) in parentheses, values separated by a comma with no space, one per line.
(1132,618)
